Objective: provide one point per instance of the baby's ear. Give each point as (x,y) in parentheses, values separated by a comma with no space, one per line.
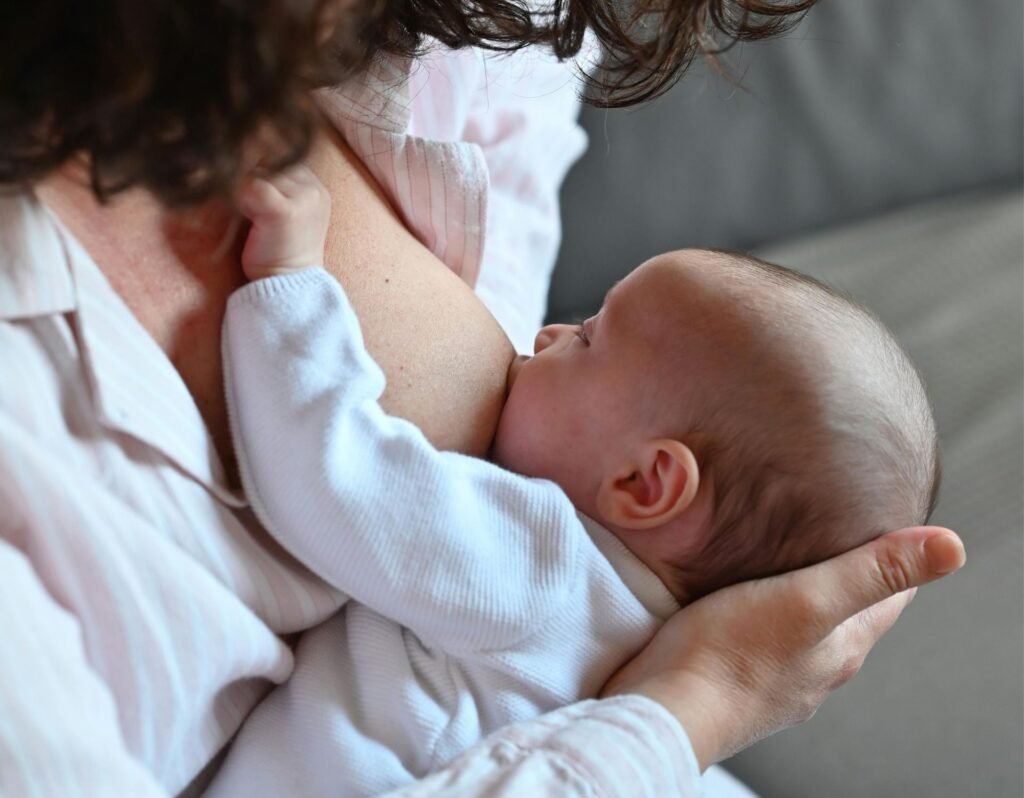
(652,487)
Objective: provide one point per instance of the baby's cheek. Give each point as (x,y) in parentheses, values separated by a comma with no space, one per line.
(519,442)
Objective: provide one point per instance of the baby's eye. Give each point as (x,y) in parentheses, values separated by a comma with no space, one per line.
(581,333)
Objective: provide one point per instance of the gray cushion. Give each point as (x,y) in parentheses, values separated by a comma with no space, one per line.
(936,710)
(868,105)
(869,108)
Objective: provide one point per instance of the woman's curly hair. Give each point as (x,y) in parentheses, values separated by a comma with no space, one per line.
(163,94)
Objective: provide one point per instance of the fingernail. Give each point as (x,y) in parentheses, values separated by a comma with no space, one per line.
(945,553)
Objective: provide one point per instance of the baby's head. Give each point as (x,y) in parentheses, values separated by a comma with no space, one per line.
(726,419)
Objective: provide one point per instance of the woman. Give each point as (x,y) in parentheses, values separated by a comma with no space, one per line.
(145,612)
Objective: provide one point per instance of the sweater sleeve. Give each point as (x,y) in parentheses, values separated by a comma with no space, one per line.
(625,746)
(466,555)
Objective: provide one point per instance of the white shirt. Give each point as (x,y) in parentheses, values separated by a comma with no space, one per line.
(142,605)
(483,597)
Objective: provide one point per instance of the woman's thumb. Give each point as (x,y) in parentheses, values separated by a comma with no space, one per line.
(890,564)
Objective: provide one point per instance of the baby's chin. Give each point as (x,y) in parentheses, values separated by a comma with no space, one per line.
(515,450)
(505,449)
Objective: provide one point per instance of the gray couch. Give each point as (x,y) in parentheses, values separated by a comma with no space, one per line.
(878,147)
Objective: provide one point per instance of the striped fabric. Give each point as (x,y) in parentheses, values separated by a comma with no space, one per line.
(470,142)
(142,607)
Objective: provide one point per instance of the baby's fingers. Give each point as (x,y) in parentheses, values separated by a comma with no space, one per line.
(296,180)
(260,196)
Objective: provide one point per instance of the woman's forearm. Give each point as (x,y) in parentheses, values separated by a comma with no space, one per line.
(445,357)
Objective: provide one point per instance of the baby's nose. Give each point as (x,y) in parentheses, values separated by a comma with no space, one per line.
(547,336)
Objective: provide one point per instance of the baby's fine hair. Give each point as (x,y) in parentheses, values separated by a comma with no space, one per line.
(825,441)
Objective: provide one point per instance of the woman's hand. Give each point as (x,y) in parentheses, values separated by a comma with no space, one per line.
(754,658)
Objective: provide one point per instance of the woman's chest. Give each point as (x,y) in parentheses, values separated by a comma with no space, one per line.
(178,595)
(173,272)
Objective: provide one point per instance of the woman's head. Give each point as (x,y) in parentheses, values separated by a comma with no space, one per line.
(160,94)
(163,94)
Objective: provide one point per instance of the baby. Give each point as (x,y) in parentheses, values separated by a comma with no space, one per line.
(719,419)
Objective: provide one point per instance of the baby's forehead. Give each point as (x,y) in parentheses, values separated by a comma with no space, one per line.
(724,289)
(717,313)
(672,281)
(697,292)
(700,277)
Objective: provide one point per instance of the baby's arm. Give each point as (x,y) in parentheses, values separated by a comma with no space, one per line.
(465,554)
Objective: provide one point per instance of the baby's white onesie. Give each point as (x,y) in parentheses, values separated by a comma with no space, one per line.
(477,597)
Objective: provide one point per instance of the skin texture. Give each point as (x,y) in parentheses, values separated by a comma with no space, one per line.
(445,356)
(580,413)
(594,394)
(173,271)
(446,368)
(577,391)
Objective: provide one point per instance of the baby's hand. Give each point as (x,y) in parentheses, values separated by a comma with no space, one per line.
(289,214)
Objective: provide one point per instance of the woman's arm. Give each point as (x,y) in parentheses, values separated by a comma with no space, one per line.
(732,668)
(445,357)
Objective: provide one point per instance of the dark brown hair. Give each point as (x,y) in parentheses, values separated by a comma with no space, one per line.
(163,93)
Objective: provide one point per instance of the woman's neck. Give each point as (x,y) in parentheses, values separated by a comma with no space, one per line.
(174,271)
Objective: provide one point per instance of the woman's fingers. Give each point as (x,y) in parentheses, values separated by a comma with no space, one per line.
(870,624)
(853,639)
(756,657)
(846,586)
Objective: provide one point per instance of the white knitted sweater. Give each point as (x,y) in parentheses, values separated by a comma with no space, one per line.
(477,597)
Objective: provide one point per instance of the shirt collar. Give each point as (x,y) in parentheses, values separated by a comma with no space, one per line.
(377,98)
(642,582)
(34,278)
(439,188)
(44,271)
